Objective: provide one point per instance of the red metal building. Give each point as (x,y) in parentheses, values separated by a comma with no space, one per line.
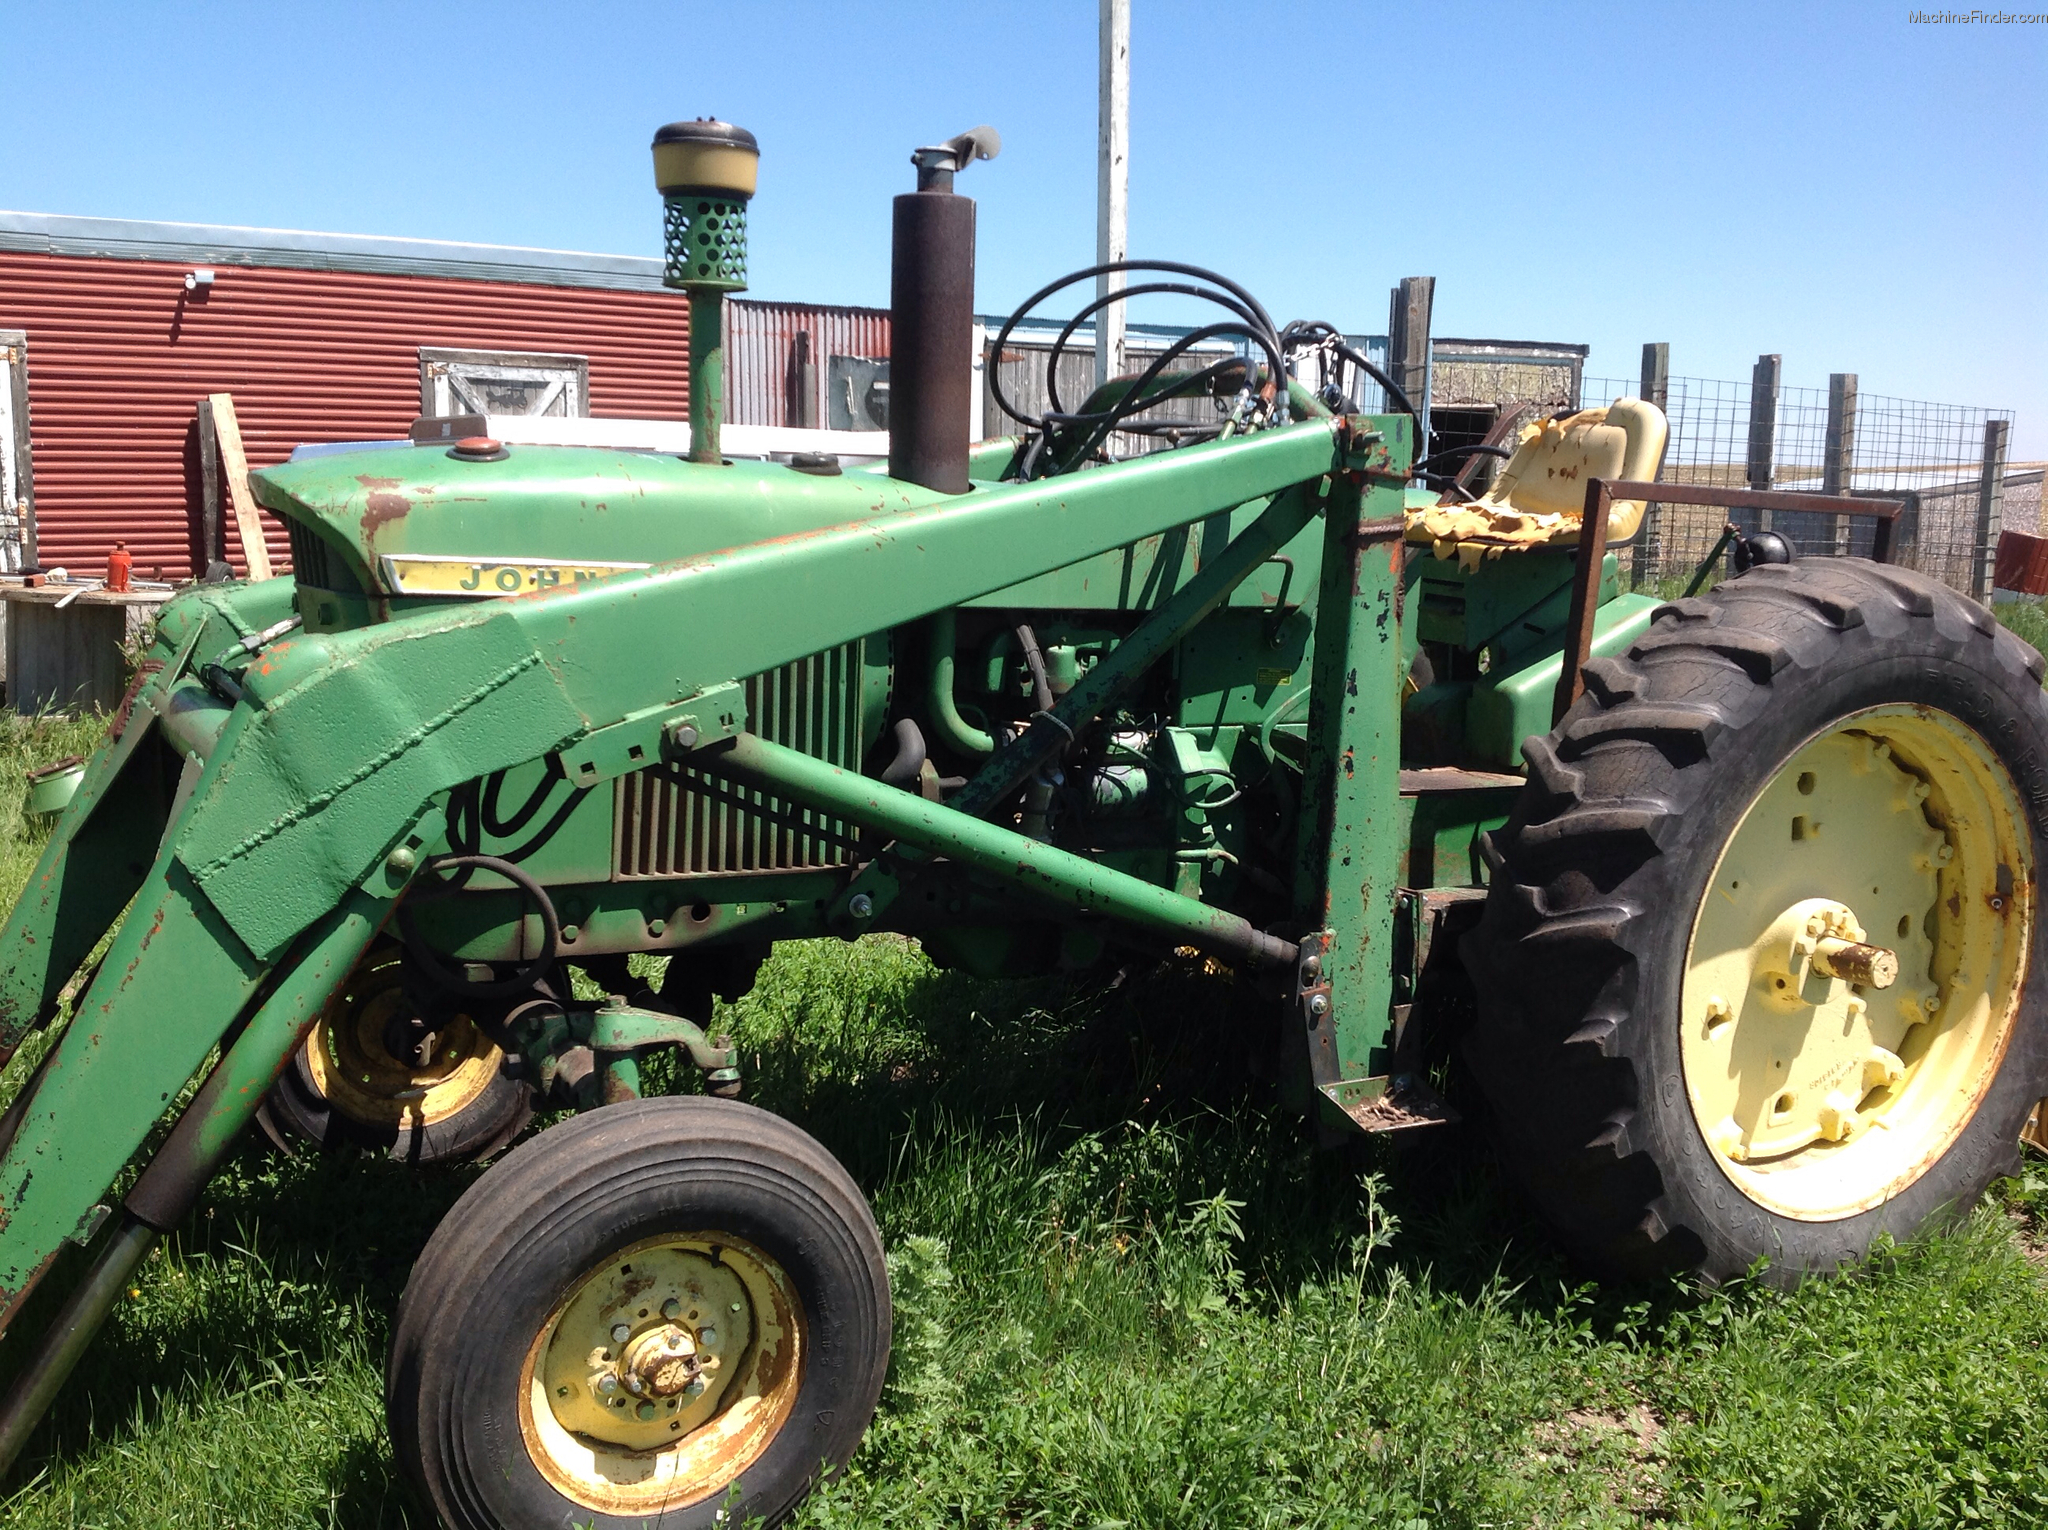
(125,327)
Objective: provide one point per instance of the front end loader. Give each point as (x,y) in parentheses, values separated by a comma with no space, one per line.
(1725,903)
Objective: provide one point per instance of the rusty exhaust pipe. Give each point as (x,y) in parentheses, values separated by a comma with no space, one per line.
(931,317)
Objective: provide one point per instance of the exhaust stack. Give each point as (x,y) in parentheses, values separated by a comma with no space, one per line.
(931,317)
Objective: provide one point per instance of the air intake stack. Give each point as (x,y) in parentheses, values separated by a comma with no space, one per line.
(705,171)
(931,317)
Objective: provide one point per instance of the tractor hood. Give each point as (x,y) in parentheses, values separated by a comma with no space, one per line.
(418,521)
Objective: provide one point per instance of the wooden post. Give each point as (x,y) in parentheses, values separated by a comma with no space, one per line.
(803,383)
(1656,384)
(213,537)
(234,469)
(1838,450)
(1762,467)
(1646,557)
(1990,507)
(1408,346)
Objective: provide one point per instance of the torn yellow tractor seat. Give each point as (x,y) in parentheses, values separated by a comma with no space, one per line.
(1537,496)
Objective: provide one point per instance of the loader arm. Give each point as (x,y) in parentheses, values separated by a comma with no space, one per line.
(341,742)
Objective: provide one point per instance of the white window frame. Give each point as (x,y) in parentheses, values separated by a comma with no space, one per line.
(443,373)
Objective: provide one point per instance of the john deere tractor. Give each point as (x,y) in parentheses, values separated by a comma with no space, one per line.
(1744,884)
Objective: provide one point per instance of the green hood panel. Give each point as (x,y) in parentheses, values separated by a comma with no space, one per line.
(567,505)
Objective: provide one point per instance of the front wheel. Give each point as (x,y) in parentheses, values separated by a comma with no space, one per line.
(373,1075)
(668,1311)
(1757,972)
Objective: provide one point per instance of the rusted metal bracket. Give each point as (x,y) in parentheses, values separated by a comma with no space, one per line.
(1314,1004)
(1390,1104)
(1380,1104)
(1601,493)
(593,1055)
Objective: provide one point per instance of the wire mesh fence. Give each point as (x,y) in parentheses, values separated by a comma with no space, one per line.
(1944,461)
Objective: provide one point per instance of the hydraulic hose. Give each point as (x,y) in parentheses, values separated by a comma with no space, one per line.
(437,967)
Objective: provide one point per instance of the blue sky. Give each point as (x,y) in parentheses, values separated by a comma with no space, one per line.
(1827,181)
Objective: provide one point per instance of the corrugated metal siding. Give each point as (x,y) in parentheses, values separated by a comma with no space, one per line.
(760,351)
(119,355)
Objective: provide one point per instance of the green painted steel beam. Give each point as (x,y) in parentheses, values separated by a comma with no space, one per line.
(352,733)
(168,1188)
(99,849)
(1353,826)
(173,980)
(1024,863)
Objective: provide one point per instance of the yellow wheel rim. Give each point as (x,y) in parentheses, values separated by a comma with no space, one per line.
(353,1067)
(664,1374)
(1823,1090)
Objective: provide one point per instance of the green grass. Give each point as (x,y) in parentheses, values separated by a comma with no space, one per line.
(2027,618)
(1127,1294)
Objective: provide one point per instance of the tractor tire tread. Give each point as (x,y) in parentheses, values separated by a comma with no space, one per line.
(550,1181)
(1580,879)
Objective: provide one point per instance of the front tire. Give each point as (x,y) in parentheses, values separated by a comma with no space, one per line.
(669,1311)
(1817,755)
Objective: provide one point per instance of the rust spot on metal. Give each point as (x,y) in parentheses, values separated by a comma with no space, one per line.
(143,672)
(384,508)
(370,482)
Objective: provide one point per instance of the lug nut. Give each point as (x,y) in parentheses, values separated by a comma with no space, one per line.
(707,1335)
(860,905)
(670,1309)
(607,1383)
(621,1332)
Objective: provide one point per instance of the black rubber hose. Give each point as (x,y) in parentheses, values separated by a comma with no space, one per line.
(1311,332)
(1474,450)
(910,756)
(1034,660)
(1263,323)
(437,967)
(1136,401)
(1249,328)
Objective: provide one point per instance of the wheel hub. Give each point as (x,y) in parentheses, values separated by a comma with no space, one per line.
(663,1374)
(1854,963)
(373,1057)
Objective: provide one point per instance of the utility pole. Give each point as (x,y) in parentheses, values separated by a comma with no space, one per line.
(1112,182)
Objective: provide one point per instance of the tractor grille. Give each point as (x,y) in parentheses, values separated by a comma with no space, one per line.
(317,564)
(714,829)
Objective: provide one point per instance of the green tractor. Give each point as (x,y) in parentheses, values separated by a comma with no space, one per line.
(1743,884)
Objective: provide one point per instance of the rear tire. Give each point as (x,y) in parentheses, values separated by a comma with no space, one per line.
(538,1365)
(1626,1036)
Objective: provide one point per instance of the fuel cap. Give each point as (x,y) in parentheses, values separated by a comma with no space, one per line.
(479,449)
